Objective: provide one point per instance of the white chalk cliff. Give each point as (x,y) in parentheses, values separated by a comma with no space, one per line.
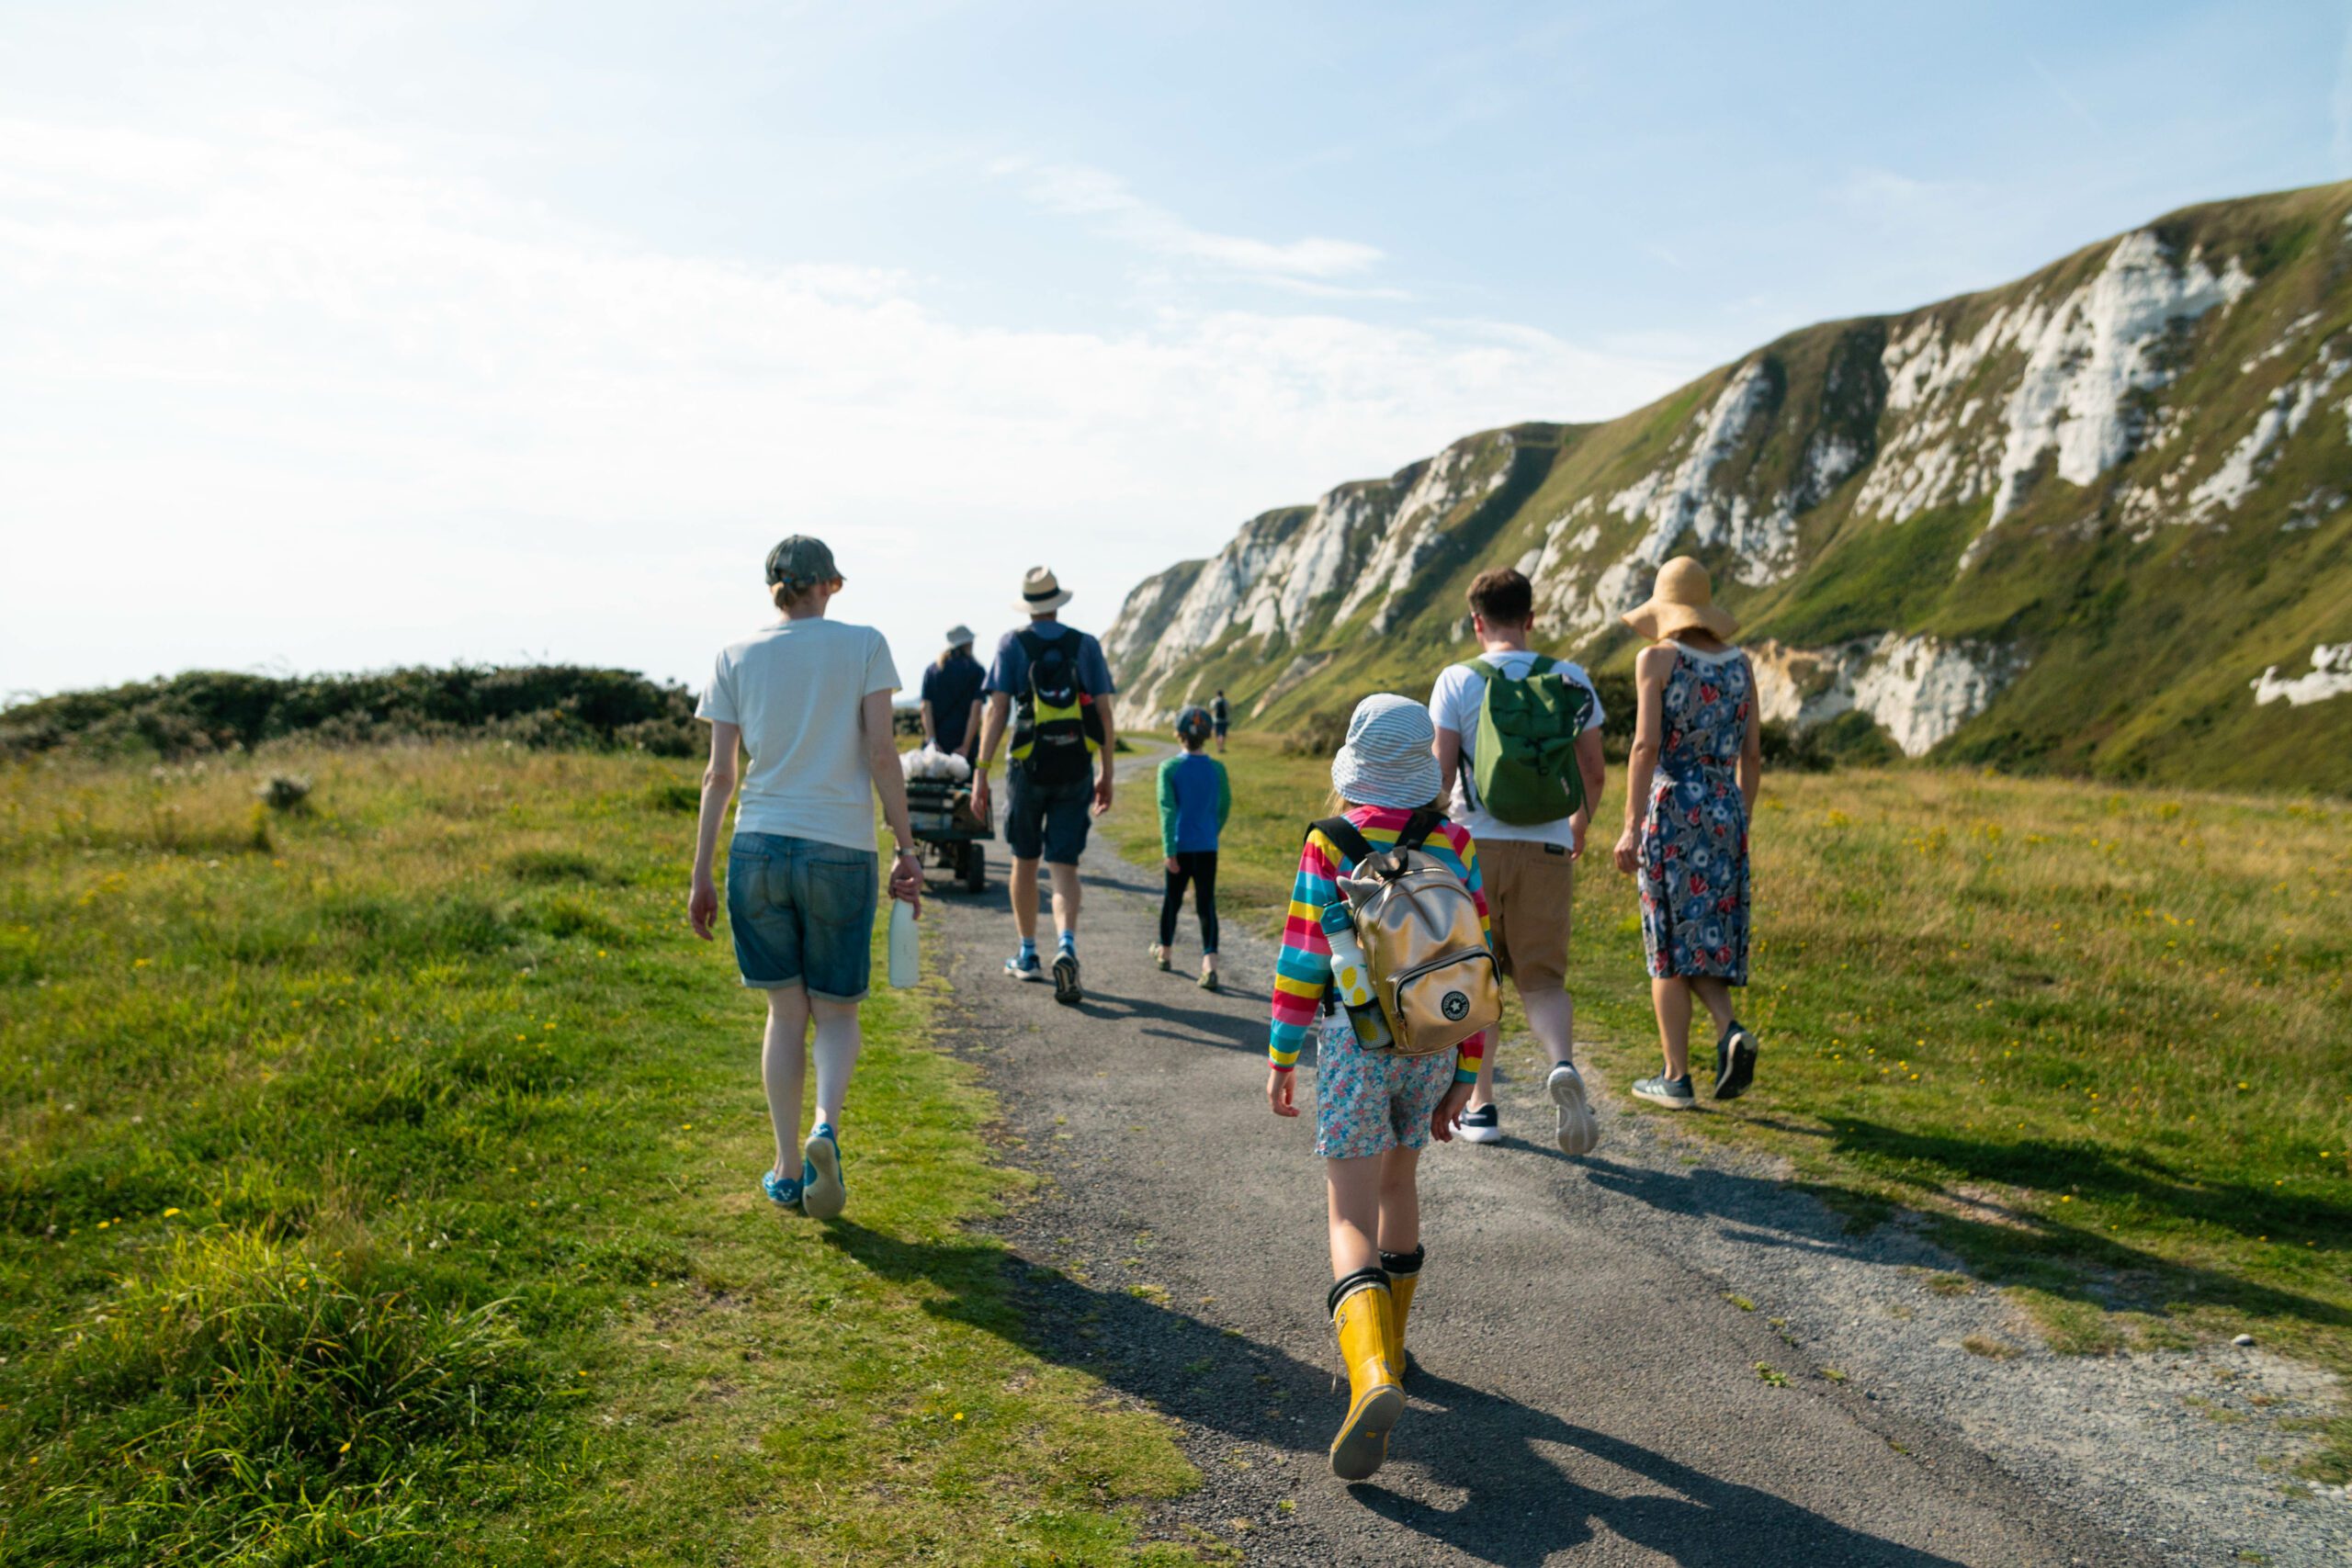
(1912,513)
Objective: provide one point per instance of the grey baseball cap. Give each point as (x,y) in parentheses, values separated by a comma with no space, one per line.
(802,562)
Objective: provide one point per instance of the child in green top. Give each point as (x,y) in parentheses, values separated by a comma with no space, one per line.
(1195,798)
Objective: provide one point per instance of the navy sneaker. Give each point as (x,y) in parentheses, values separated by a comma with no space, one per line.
(1484,1126)
(822,1191)
(1735,1062)
(1066,990)
(1673,1093)
(1024,966)
(784,1192)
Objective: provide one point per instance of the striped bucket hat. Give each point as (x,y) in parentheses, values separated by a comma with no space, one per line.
(1387,759)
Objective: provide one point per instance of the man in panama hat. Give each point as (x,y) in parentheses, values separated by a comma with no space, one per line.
(1053,687)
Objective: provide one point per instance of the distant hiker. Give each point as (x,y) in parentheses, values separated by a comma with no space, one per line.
(1221,716)
(1196,799)
(1054,685)
(951,696)
(1376,1106)
(1518,743)
(1690,793)
(809,698)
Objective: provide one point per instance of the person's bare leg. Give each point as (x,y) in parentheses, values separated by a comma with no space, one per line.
(1024,899)
(837,1042)
(1716,992)
(784,1069)
(1671,999)
(1400,1200)
(1354,1189)
(1065,899)
(1551,1018)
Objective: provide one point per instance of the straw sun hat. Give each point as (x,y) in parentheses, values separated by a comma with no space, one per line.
(1683,601)
(1042,592)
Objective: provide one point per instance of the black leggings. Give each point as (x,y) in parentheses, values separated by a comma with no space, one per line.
(1199,868)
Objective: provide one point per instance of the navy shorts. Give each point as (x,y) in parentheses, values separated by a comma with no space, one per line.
(802,913)
(1048,821)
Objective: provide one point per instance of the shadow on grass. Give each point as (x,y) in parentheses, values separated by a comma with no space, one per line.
(2009,1245)
(1518,1506)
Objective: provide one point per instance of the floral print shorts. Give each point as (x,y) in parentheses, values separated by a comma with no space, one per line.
(1367,1102)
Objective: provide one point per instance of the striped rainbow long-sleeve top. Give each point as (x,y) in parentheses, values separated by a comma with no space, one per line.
(1303,970)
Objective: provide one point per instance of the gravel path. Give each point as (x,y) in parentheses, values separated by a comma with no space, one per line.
(1588,1382)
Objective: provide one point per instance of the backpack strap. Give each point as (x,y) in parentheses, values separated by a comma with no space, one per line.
(1418,827)
(1345,838)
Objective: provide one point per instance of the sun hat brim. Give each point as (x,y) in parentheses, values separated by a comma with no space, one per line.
(1657,619)
(1404,784)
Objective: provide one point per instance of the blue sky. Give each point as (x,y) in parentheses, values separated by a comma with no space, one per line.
(336,336)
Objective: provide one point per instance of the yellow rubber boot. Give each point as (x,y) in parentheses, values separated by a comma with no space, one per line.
(1363,1316)
(1404,1270)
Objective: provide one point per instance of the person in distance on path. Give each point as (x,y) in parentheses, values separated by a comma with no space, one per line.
(809,698)
(1374,1110)
(951,697)
(1195,798)
(1691,791)
(1532,834)
(1053,686)
(1221,716)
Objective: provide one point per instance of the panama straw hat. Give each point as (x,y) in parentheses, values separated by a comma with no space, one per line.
(1684,599)
(1041,591)
(1386,760)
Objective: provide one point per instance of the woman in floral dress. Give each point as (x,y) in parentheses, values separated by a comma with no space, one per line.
(1691,786)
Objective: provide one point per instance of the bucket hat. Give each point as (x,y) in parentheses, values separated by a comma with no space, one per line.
(1041,591)
(1684,599)
(1386,760)
(801,563)
(958,635)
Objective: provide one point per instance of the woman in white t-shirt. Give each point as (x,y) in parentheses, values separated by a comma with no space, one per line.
(810,699)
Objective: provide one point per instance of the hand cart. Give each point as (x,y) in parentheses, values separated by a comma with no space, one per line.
(945,822)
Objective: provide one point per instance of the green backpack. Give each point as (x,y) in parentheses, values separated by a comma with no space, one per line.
(1524,761)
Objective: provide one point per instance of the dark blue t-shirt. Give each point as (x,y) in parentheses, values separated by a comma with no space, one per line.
(1010,673)
(951,689)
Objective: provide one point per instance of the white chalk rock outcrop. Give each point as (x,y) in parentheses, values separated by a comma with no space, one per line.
(1922,689)
(2329,676)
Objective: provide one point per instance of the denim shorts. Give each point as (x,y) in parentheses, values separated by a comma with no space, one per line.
(1048,821)
(802,912)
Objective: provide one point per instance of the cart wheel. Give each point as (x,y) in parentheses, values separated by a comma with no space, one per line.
(976,866)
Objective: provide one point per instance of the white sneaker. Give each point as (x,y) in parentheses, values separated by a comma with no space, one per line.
(1577,1131)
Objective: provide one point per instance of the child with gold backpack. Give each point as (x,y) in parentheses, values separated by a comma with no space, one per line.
(1387,939)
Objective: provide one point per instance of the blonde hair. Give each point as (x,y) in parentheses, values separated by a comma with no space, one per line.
(949,652)
(785,596)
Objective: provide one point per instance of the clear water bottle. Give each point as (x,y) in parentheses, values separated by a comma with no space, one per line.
(1351,978)
(906,948)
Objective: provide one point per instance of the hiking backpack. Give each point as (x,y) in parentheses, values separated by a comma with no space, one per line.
(1524,765)
(1055,730)
(1433,973)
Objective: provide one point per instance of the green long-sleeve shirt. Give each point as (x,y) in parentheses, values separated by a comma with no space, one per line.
(1195,798)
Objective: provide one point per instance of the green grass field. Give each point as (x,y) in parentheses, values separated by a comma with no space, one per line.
(376,1185)
(2103,1039)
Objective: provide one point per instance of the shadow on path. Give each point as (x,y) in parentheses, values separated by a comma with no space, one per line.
(1516,1506)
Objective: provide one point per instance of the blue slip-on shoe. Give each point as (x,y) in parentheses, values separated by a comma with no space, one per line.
(781,1191)
(1024,966)
(1673,1093)
(822,1191)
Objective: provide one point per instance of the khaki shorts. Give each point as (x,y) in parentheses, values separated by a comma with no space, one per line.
(1530,888)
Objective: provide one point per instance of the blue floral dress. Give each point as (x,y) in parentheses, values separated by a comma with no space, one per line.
(1693,873)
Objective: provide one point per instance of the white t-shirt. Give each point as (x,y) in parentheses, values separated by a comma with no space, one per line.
(796,688)
(1454,704)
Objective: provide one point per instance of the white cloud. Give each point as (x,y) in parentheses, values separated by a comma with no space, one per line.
(1078,191)
(281,392)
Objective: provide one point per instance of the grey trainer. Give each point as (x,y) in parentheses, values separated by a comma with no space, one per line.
(1576,1132)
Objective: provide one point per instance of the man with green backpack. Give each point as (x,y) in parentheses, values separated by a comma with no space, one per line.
(1519,744)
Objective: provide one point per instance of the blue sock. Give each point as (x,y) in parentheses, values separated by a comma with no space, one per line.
(1028,948)
(1070,943)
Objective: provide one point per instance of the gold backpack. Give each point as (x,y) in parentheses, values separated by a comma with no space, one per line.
(1432,972)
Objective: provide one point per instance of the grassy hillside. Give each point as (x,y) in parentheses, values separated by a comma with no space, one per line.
(2121,488)
(376,1185)
(2102,1038)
